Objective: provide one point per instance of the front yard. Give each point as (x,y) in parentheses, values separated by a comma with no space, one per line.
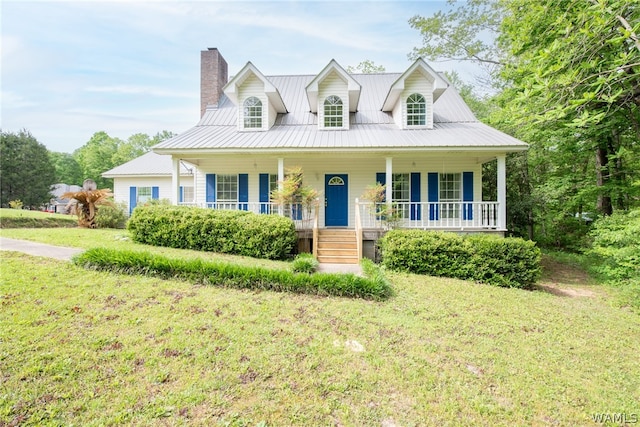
(90,348)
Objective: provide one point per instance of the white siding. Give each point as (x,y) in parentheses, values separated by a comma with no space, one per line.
(361,173)
(333,85)
(121,186)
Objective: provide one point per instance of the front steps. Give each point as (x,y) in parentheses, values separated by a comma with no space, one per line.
(337,246)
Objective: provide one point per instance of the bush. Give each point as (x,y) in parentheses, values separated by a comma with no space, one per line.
(509,262)
(616,245)
(111,216)
(232,232)
(305,263)
(233,275)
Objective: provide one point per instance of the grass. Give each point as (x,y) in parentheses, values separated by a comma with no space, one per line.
(15,218)
(93,348)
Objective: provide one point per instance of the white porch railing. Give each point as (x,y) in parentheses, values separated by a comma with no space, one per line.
(429,215)
(302,216)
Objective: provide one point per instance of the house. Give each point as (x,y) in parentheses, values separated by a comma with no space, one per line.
(57,204)
(410,130)
(148,177)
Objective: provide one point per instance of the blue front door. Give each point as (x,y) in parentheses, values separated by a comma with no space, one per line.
(336,210)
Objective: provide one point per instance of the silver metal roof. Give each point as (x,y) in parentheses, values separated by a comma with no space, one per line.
(150,163)
(455,126)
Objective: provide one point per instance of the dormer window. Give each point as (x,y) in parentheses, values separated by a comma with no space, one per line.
(416,110)
(252,113)
(333,112)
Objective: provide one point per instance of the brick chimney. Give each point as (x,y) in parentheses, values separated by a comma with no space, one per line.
(213,77)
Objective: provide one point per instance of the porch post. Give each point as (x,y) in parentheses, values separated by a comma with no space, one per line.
(502,192)
(175,181)
(389,180)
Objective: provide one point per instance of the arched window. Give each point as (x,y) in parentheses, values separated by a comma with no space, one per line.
(333,112)
(416,110)
(252,113)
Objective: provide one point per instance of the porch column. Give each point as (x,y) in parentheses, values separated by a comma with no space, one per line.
(280,181)
(175,181)
(389,180)
(502,192)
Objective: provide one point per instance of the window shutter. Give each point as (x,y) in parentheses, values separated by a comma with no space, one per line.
(264,192)
(415,213)
(243,191)
(155,193)
(211,188)
(133,198)
(432,184)
(381,178)
(467,195)
(181,198)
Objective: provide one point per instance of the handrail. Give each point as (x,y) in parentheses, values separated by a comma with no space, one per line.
(314,250)
(358,223)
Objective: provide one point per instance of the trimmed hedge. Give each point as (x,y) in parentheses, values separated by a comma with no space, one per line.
(231,232)
(509,262)
(236,276)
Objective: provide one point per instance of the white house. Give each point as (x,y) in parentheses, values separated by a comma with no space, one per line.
(410,129)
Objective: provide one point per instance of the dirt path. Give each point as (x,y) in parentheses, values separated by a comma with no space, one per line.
(564,280)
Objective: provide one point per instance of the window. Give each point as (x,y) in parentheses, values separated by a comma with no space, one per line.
(188,194)
(450,194)
(273,183)
(227,189)
(333,112)
(144,195)
(416,110)
(252,113)
(401,192)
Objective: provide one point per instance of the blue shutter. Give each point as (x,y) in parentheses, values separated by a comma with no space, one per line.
(211,188)
(415,213)
(180,199)
(264,193)
(133,198)
(155,193)
(243,191)
(381,178)
(467,195)
(432,187)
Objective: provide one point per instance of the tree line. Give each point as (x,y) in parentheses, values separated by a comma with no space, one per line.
(565,78)
(28,169)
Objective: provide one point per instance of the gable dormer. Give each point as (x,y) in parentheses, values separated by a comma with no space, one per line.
(257,100)
(333,94)
(410,98)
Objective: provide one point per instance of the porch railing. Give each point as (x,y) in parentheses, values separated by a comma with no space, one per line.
(302,216)
(429,215)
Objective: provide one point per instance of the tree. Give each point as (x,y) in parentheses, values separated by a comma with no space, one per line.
(68,170)
(137,145)
(26,173)
(97,156)
(366,67)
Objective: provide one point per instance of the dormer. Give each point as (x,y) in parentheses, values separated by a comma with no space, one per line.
(410,98)
(333,94)
(258,101)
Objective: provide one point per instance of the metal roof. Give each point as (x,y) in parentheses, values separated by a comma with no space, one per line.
(149,164)
(455,126)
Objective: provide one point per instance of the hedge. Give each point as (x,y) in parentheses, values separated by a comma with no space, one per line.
(200,271)
(509,262)
(232,232)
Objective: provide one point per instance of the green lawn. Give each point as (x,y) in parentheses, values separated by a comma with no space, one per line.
(82,347)
(12,218)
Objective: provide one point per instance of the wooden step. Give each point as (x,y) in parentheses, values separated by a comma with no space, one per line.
(337,246)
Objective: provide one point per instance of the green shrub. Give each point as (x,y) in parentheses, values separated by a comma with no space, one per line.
(305,263)
(232,232)
(616,246)
(233,275)
(111,216)
(510,262)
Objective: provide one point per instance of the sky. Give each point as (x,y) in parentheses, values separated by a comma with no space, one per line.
(70,69)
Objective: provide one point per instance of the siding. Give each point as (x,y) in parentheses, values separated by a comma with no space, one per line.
(253,86)
(333,85)
(417,83)
(121,186)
